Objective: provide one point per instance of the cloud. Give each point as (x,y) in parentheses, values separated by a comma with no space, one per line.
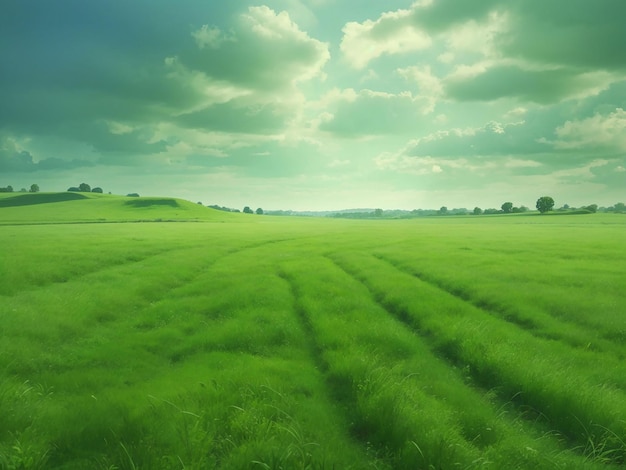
(527,85)
(494,138)
(210,36)
(15,158)
(576,33)
(370,113)
(392,33)
(119,95)
(517,49)
(267,51)
(605,132)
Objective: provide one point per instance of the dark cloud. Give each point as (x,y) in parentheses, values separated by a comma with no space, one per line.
(441,15)
(521,138)
(579,33)
(540,86)
(74,68)
(231,117)
(566,32)
(265,51)
(22,162)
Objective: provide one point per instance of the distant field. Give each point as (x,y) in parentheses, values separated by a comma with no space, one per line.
(245,341)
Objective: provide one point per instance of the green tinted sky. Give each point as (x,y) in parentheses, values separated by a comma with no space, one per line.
(318,104)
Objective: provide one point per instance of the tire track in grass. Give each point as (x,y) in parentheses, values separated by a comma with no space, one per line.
(535,375)
(264,275)
(129,260)
(113,263)
(362,388)
(541,325)
(106,297)
(389,394)
(576,338)
(314,349)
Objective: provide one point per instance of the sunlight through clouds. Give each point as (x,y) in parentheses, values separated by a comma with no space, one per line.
(387,100)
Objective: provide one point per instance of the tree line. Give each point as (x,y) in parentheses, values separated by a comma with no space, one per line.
(34,188)
(84,188)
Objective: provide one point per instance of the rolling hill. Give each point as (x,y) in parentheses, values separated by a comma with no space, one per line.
(70,207)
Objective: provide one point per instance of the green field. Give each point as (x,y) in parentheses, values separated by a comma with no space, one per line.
(132,340)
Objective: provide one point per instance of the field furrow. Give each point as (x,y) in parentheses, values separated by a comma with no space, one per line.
(401,397)
(560,386)
(533,320)
(313,343)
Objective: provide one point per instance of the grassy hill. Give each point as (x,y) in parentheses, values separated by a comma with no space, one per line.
(24,208)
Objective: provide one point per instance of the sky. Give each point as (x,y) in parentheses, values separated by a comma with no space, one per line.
(317,104)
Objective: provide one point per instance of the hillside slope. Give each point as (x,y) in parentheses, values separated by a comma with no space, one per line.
(67,207)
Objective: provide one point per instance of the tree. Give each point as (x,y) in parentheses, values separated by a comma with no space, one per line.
(507,207)
(545,204)
(34,188)
(97,190)
(73,189)
(443,210)
(84,188)
(592,208)
(259,211)
(477,211)
(247,210)
(620,207)
(378,212)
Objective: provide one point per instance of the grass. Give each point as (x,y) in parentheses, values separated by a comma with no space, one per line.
(244,341)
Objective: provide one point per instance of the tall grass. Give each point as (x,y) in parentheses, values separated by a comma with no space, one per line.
(298,343)
(561,384)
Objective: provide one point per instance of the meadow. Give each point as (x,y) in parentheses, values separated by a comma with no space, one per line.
(159,334)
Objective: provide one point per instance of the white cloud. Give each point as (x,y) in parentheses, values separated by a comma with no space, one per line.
(598,131)
(429,85)
(476,36)
(392,33)
(209,36)
(119,128)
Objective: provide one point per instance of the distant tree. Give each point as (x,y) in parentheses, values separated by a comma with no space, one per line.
(477,211)
(259,211)
(97,190)
(34,188)
(491,211)
(443,210)
(199,203)
(545,204)
(73,189)
(619,207)
(507,207)
(23,190)
(378,212)
(132,195)
(247,210)
(592,208)
(84,188)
